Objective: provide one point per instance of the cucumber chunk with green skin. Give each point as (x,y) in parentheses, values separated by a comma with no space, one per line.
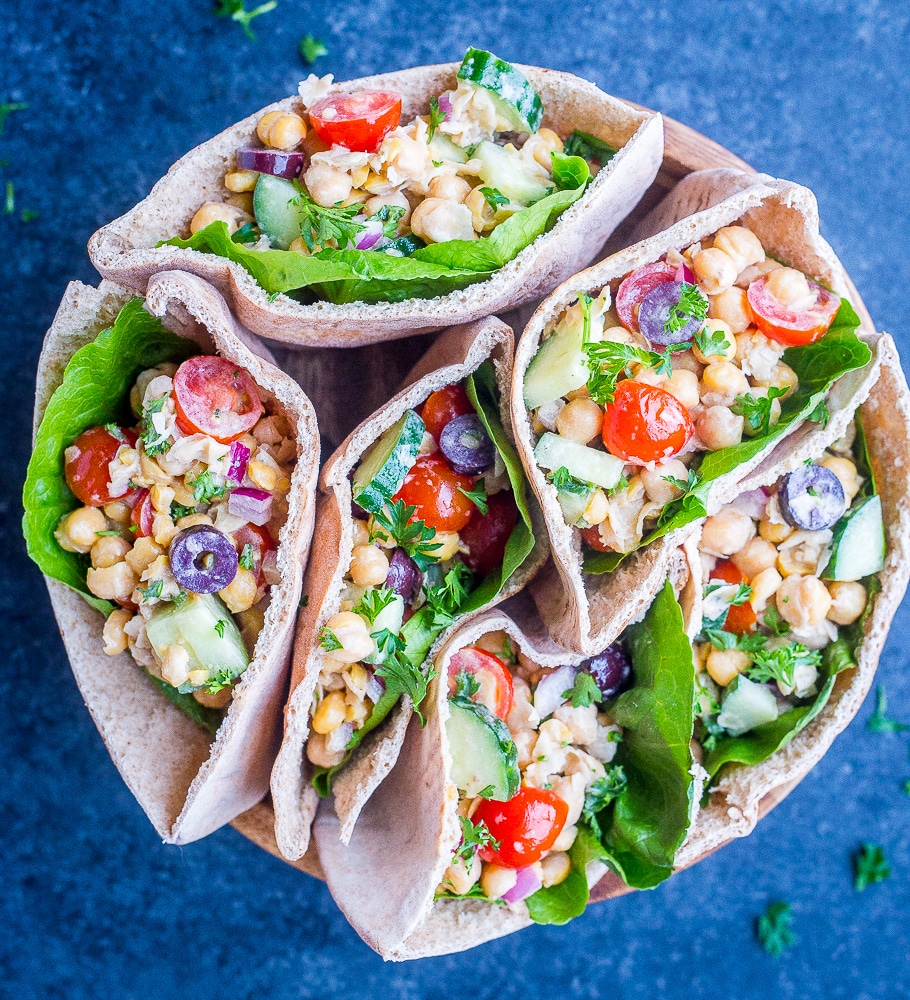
(746,705)
(560,366)
(380,475)
(484,756)
(505,172)
(858,548)
(443,149)
(389,618)
(194,625)
(517,103)
(275,211)
(574,505)
(584,463)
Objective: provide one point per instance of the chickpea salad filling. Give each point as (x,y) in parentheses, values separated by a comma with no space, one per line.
(641,397)
(790,577)
(344,202)
(439,526)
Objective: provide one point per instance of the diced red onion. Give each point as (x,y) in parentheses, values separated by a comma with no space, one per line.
(685,273)
(370,236)
(238,457)
(338,739)
(251,504)
(752,504)
(375,688)
(549,694)
(526,884)
(445,105)
(277,162)
(270,568)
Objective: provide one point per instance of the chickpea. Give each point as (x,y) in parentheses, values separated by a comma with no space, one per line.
(790,287)
(360,532)
(243,201)
(764,586)
(109,550)
(683,384)
(798,560)
(727,532)
(436,220)
(580,420)
(496,881)
(369,566)
(545,142)
(598,508)
(143,553)
(718,427)
(405,156)
(353,634)
(449,540)
(555,868)
(741,245)
(265,123)
(395,200)
(117,511)
(283,131)
(772,526)
(714,270)
(724,664)
(726,352)
(241,180)
(482,213)
(78,531)
(217,700)
(218,211)
(190,519)
(449,187)
(846,473)
(722,382)
(318,754)
(175,666)
(650,376)
(655,480)
(326,185)
(262,474)
(782,377)
(329,714)
(460,875)
(756,556)
(731,306)
(619,335)
(803,601)
(755,271)
(240,593)
(163,529)
(113,583)
(113,634)
(848,602)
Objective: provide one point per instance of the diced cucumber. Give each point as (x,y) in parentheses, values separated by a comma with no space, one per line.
(443,149)
(560,366)
(275,211)
(192,625)
(518,104)
(391,618)
(574,505)
(584,463)
(484,756)
(381,472)
(505,171)
(746,705)
(858,548)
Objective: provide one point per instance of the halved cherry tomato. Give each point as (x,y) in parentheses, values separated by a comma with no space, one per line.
(356,121)
(259,539)
(495,678)
(214,396)
(785,325)
(143,515)
(485,536)
(591,536)
(740,618)
(431,486)
(636,286)
(442,406)
(87,460)
(526,826)
(644,423)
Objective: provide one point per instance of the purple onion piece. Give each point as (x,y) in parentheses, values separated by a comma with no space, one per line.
(655,310)
(367,238)
(404,576)
(812,498)
(339,737)
(685,273)
(466,444)
(251,504)
(549,694)
(203,560)
(238,458)
(611,670)
(277,162)
(375,688)
(445,104)
(526,884)
(752,503)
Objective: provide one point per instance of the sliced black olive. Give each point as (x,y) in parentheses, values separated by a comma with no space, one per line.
(203,560)
(811,498)
(611,670)
(466,444)
(404,576)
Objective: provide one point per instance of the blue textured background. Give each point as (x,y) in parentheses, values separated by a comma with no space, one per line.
(92,905)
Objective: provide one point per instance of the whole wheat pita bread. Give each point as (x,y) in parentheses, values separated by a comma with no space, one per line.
(454,355)
(187,784)
(125,249)
(586,612)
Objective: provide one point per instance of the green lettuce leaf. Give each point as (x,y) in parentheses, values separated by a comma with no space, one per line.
(645,826)
(818,367)
(561,903)
(368,276)
(94,390)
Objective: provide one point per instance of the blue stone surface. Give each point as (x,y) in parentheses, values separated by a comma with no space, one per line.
(92,905)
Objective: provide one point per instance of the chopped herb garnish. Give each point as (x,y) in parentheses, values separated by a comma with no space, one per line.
(328,640)
(437,117)
(152,592)
(474,837)
(10,203)
(608,362)
(494,197)
(247,233)
(757,409)
(115,432)
(584,690)
(107,534)
(321,227)
(447,598)
(565,482)
(414,536)
(711,343)
(466,685)
(477,496)
(878,721)
(773,621)
(690,502)
(236,11)
(373,601)
(152,442)
(220,626)
(780,664)
(205,489)
(488,792)
(29,215)
(410,678)
(820,414)
(223,678)
(8,109)
(870,866)
(180,598)
(692,305)
(178,510)
(247,557)
(389,216)
(312,49)
(508,650)
(774,930)
(604,791)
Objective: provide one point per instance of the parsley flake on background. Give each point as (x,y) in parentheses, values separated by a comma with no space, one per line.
(236,11)
(870,866)
(773,928)
(312,49)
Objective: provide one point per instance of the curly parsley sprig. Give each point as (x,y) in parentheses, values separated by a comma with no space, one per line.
(414,536)
(321,227)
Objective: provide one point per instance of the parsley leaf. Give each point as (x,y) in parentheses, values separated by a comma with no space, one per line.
(487,793)
(477,496)
(328,640)
(152,592)
(220,626)
(466,685)
(820,414)
(247,233)
(8,109)
(773,928)
(389,216)
(690,502)
(153,442)
(870,866)
(473,837)
(10,203)
(236,11)
(205,489)
(180,598)
(780,664)
(692,305)
(29,215)
(115,432)
(387,642)
(711,343)
(221,680)
(589,147)
(247,557)
(757,409)
(107,534)
(437,117)
(878,721)
(312,49)
(604,791)
(775,623)
(584,690)
(178,510)
(373,601)
(415,537)
(447,598)
(494,197)
(608,362)
(320,226)
(409,677)
(567,483)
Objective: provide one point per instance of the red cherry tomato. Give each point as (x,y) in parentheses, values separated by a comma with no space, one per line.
(357,121)
(494,677)
(87,460)
(644,423)
(143,514)
(740,618)
(591,536)
(259,539)
(431,486)
(526,826)
(636,286)
(444,405)
(486,535)
(214,396)
(785,325)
